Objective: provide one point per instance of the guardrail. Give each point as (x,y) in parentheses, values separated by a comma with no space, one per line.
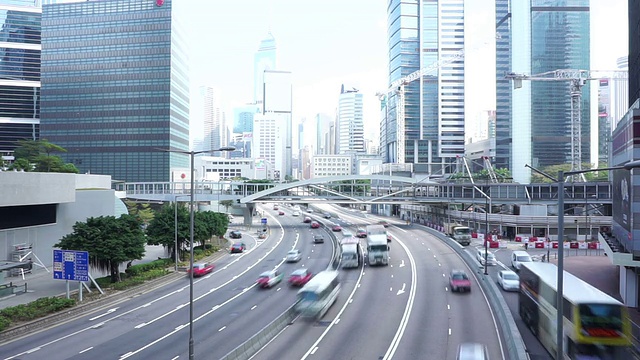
(515,345)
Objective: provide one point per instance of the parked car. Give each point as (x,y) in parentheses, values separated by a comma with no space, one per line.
(472,351)
(336,228)
(300,277)
(235,234)
(518,257)
(201,269)
(269,278)
(361,233)
(491,258)
(508,280)
(318,239)
(280,212)
(306,220)
(238,248)
(459,281)
(315,225)
(294,255)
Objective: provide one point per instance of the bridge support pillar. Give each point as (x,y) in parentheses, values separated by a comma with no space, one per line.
(247,213)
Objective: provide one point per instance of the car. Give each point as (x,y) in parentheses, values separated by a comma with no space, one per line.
(294,255)
(491,258)
(280,212)
(472,351)
(361,233)
(309,211)
(383,223)
(275,207)
(201,269)
(300,277)
(315,225)
(262,235)
(269,278)
(238,248)
(296,213)
(336,228)
(318,239)
(459,281)
(306,220)
(508,280)
(235,234)
(347,233)
(388,238)
(326,216)
(518,257)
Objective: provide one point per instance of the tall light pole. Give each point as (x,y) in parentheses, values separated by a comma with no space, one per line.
(486,237)
(175,225)
(560,281)
(192,155)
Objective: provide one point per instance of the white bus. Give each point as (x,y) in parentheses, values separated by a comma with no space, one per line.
(317,296)
(351,253)
(596,326)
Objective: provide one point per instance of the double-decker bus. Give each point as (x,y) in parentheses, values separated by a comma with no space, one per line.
(317,296)
(595,325)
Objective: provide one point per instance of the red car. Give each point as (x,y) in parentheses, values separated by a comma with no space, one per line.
(315,225)
(383,223)
(300,277)
(281,213)
(238,248)
(361,233)
(201,269)
(336,228)
(459,281)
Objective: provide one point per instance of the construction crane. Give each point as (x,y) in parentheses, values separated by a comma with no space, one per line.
(577,79)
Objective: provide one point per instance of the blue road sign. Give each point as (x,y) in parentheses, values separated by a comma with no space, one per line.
(71,265)
(264,221)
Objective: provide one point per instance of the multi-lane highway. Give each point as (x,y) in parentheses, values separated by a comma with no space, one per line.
(404,310)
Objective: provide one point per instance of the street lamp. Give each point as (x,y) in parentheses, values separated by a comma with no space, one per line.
(192,155)
(560,281)
(175,224)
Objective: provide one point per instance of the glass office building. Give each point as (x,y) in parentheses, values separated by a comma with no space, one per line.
(503,85)
(115,87)
(19,73)
(421,33)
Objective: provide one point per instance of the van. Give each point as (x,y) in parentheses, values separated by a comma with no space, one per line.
(518,257)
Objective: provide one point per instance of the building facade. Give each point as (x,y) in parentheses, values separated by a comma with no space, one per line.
(420,35)
(634,50)
(19,73)
(264,59)
(112,102)
(209,111)
(277,106)
(350,122)
(332,165)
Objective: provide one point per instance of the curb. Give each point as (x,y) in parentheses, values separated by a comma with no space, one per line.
(15,332)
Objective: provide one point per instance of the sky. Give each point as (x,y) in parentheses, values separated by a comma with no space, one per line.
(326,43)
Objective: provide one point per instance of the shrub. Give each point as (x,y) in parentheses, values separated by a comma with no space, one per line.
(140,268)
(36,309)
(4,323)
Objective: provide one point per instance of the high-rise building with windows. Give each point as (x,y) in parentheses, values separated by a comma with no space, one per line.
(113,101)
(350,137)
(420,34)
(206,107)
(264,59)
(543,35)
(19,73)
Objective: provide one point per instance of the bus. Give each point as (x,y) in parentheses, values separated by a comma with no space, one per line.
(317,296)
(351,253)
(596,326)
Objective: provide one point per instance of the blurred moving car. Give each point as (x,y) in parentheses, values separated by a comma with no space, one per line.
(306,220)
(280,212)
(300,277)
(201,269)
(269,278)
(388,238)
(275,207)
(491,258)
(361,233)
(347,233)
(315,225)
(336,228)
(296,213)
(459,281)
(318,239)
(238,248)
(508,280)
(383,223)
(472,351)
(262,235)
(235,234)
(294,255)
(327,216)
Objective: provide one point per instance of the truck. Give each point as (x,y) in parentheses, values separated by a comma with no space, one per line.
(351,253)
(459,232)
(377,248)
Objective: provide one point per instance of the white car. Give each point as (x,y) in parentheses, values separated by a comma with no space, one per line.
(296,213)
(491,258)
(294,256)
(508,280)
(518,257)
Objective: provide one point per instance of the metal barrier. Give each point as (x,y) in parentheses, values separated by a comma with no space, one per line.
(515,345)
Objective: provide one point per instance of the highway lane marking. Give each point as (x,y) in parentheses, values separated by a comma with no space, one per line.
(407,311)
(449,331)
(222,328)
(402,263)
(314,350)
(254,306)
(85,350)
(33,350)
(105,314)
(448,306)
(401,291)
(337,321)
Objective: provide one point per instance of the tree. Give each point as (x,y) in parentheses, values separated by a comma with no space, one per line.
(39,153)
(161,229)
(227,204)
(110,241)
(552,170)
(142,211)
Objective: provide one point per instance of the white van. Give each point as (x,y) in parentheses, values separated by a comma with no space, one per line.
(518,257)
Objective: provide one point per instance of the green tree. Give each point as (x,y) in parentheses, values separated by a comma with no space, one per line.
(110,241)
(161,229)
(227,204)
(142,211)
(21,164)
(552,170)
(39,153)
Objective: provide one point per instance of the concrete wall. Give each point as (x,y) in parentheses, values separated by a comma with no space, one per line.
(628,286)
(23,188)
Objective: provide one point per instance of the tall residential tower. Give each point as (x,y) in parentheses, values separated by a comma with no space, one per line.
(350,122)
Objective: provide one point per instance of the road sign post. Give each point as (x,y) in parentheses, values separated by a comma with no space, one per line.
(71,265)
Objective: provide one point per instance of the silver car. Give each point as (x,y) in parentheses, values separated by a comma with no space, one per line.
(508,280)
(472,351)
(491,258)
(294,256)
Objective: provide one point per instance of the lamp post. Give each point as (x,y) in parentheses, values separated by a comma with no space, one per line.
(175,225)
(192,155)
(486,238)
(560,280)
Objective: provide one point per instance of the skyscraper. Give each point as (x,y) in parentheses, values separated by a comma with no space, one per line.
(323,126)
(113,101)
(350,122)
(264,59)
(209,111)
(19,73)
(433,106)
(545,35)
